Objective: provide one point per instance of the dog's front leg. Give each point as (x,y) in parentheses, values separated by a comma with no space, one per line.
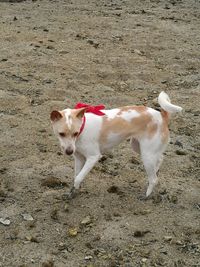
(79,163)
(89,164)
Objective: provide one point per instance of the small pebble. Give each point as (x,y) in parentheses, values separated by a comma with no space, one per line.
(27,217)
(178,143)
(48,263)
(139,233)
(164,81)
(50,47)
(54,214)
(181,152)
(62,246)
(155,102)
(66,207)
(89,257)
(144,260)
(73,232)
(136,51)
(168,238)
(87,220)
(32,239)
(5,221)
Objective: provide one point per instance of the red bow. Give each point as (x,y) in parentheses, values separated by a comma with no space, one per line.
(92,109)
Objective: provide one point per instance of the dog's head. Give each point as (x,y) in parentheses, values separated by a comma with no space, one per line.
(66,125)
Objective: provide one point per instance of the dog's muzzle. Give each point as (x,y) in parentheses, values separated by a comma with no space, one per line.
(69,151)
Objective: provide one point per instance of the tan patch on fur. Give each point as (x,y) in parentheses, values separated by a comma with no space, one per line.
(152,129)
(142,125)
(62,127)
(78,113)
(139,109)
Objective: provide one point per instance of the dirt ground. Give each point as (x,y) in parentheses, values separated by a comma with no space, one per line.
(56,53)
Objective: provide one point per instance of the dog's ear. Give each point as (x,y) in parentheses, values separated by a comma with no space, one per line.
(55,115)
(79,113)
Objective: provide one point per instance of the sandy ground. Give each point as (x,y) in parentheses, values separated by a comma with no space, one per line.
(56,53)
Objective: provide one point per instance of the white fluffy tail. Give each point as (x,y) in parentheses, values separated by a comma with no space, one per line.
(165,103)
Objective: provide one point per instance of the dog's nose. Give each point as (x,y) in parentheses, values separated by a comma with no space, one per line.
(69,151)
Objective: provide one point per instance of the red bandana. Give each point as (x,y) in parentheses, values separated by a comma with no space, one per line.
(89,109)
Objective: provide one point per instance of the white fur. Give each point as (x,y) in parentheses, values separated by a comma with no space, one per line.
(88,149)
(129,115)
(156,115)
(113,140)
(68,117)
(112,113)
(88,142)
(165,103)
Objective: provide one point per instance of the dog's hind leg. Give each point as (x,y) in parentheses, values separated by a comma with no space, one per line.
(135,145)
(150,167)
(151,160)
(159,162)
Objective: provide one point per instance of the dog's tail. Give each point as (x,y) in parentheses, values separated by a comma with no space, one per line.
(165,103)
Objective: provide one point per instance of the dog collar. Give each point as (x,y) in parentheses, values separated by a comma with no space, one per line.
(82,126)
(89,109)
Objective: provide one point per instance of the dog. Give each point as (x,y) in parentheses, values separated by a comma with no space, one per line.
(86,132)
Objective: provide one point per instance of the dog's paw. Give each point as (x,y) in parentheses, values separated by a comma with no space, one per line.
(71,194)
(142,197)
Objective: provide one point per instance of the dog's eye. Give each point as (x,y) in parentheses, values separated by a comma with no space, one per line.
(75,134)
(62,134)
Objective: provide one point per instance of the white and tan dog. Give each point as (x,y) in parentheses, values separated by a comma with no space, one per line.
(147,128)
